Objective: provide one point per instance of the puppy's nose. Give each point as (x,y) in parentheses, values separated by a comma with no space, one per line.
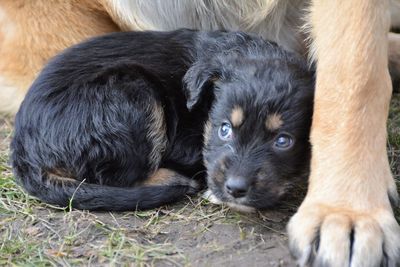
(237,187)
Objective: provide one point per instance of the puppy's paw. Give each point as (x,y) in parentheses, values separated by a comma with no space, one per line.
(320,235)
(209,195)
(193,187)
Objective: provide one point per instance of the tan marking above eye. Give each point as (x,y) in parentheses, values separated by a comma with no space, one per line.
(237,116)
(273,122)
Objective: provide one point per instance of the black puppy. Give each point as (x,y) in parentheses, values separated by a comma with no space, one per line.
(116,123)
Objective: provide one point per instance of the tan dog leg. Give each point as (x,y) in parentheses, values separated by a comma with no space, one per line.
(346,218)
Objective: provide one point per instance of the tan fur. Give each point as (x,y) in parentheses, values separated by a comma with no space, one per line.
(33,31)
(352,68)
(156,132)
(350,175)
(161,177)
(237,116)
(166,177)
(273,122)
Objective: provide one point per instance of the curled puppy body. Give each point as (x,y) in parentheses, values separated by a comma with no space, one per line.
(116,123)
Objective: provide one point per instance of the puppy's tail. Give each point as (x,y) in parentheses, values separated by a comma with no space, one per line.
(66,192)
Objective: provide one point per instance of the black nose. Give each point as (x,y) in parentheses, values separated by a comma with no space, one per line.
(237,187)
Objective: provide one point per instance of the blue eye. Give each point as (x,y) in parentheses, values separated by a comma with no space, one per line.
(225,131)
(283,141)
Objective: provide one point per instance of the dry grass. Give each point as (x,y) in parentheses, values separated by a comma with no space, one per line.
(192,232)
(394,142)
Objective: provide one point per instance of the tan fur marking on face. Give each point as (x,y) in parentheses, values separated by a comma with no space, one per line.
(273,122)
(237,116)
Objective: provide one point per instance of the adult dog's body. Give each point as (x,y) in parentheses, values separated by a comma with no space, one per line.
(347,208)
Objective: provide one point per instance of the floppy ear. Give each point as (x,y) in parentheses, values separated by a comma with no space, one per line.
(199,80)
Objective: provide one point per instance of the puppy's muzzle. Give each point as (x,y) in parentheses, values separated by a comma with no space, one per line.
(237,186)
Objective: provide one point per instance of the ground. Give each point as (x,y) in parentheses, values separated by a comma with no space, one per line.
(190,233)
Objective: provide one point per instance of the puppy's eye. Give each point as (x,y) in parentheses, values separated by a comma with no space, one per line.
(283,141)
(225,131)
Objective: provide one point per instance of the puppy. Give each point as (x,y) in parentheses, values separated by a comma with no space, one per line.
(116,123)
(350,182)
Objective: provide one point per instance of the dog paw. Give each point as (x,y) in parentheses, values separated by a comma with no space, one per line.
(193,186)
(209,195)
(324,236)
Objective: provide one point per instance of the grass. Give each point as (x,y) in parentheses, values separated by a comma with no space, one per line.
(35,234)
(188,233)
(394,143)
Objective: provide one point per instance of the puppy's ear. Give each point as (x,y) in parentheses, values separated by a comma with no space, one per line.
(199,81)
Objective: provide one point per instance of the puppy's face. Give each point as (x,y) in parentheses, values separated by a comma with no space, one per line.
(256,141)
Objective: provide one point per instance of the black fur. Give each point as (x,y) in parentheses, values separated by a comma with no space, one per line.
(89,119)
(261,81)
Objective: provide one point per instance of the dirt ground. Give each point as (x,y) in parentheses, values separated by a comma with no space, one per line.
(190,233)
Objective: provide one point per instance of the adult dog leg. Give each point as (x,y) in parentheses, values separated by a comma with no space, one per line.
(346,218)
